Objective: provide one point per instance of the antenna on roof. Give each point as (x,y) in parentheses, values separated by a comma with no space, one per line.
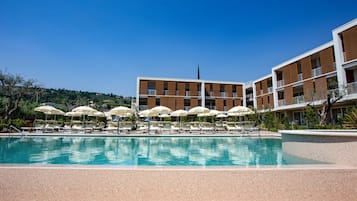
(198,72)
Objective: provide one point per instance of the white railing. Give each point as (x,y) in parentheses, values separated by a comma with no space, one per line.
(187,108)
(177,92)
(211,107)
(199,93)
(335,93)
(234,94)
(280,83)
(270,89)
(187,93)
(316,71)
(299,76)
(261,91)
(211,94)
(352,88)
(152,92)
(299,99)
(281,102)
(225,108)
(166,92)
(222,94)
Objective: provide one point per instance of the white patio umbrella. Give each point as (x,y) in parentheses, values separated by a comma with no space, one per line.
(239,110)
(48,110)
(221,116)
(97,114)
(161,110)
(120,111)
(164,115)
(84,110)
(179,114)
(198,110)
(148,113)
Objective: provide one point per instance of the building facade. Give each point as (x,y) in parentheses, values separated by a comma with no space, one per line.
(325,72)
(185,94)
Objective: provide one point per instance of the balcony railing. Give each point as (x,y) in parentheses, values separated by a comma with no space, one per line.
(234,94)
(166,92)
(280,83)
(211,94)
(352,88)
(143,107)
(270,89)
(336,93)
(187,93)
(299,99)
(261,91)
(187,108)
(199,93)
(299,76)
(281,102)
(222,94)
(316,71)
(225,108)
(151,92)
(211,107)
(250,97)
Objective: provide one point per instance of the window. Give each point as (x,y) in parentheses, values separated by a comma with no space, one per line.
(315,61)
(157,101)
(299,67)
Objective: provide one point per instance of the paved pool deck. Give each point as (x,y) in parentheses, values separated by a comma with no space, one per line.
(62,183)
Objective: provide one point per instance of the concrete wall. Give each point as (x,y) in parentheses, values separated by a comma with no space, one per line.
(332,146)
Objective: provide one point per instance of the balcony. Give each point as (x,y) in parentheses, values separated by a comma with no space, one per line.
(250,97)
(187,108)
(211,94)
(234,94)
(199,93)
(299,99)
(316,71)
(281,102)
(300,77)
(261,91)
(280,83)
(187,93)
(270,89)
(151,92)
(336,93)
(222,94)
(352,88)
(166,92)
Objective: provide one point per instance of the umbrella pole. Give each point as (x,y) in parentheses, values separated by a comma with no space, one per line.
(118,130)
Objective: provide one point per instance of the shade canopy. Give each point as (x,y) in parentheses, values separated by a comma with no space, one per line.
(239,111)
(211,113)
(97,114)
(49,110)
(148,113)
(120,111)
(84,110)
(221,116)
(198,110)
(73,114)
(179,113)
(161,110)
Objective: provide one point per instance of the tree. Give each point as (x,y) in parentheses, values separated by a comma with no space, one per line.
(310,117)
(13,89)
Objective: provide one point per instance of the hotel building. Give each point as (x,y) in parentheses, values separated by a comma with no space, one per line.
(185,94)
(329,70)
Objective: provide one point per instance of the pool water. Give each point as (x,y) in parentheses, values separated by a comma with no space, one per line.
(146,151)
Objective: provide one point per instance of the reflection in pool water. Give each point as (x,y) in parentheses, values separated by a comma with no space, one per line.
(146,151)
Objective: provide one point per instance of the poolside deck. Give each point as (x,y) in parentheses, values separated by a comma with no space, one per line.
(329,183)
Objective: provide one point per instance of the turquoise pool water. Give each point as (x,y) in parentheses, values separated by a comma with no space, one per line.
(145,151)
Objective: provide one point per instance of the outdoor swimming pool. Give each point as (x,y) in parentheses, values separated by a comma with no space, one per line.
(145,151)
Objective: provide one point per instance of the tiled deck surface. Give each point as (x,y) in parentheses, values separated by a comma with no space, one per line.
(110,183)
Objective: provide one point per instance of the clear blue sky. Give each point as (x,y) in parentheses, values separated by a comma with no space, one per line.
(103,46)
